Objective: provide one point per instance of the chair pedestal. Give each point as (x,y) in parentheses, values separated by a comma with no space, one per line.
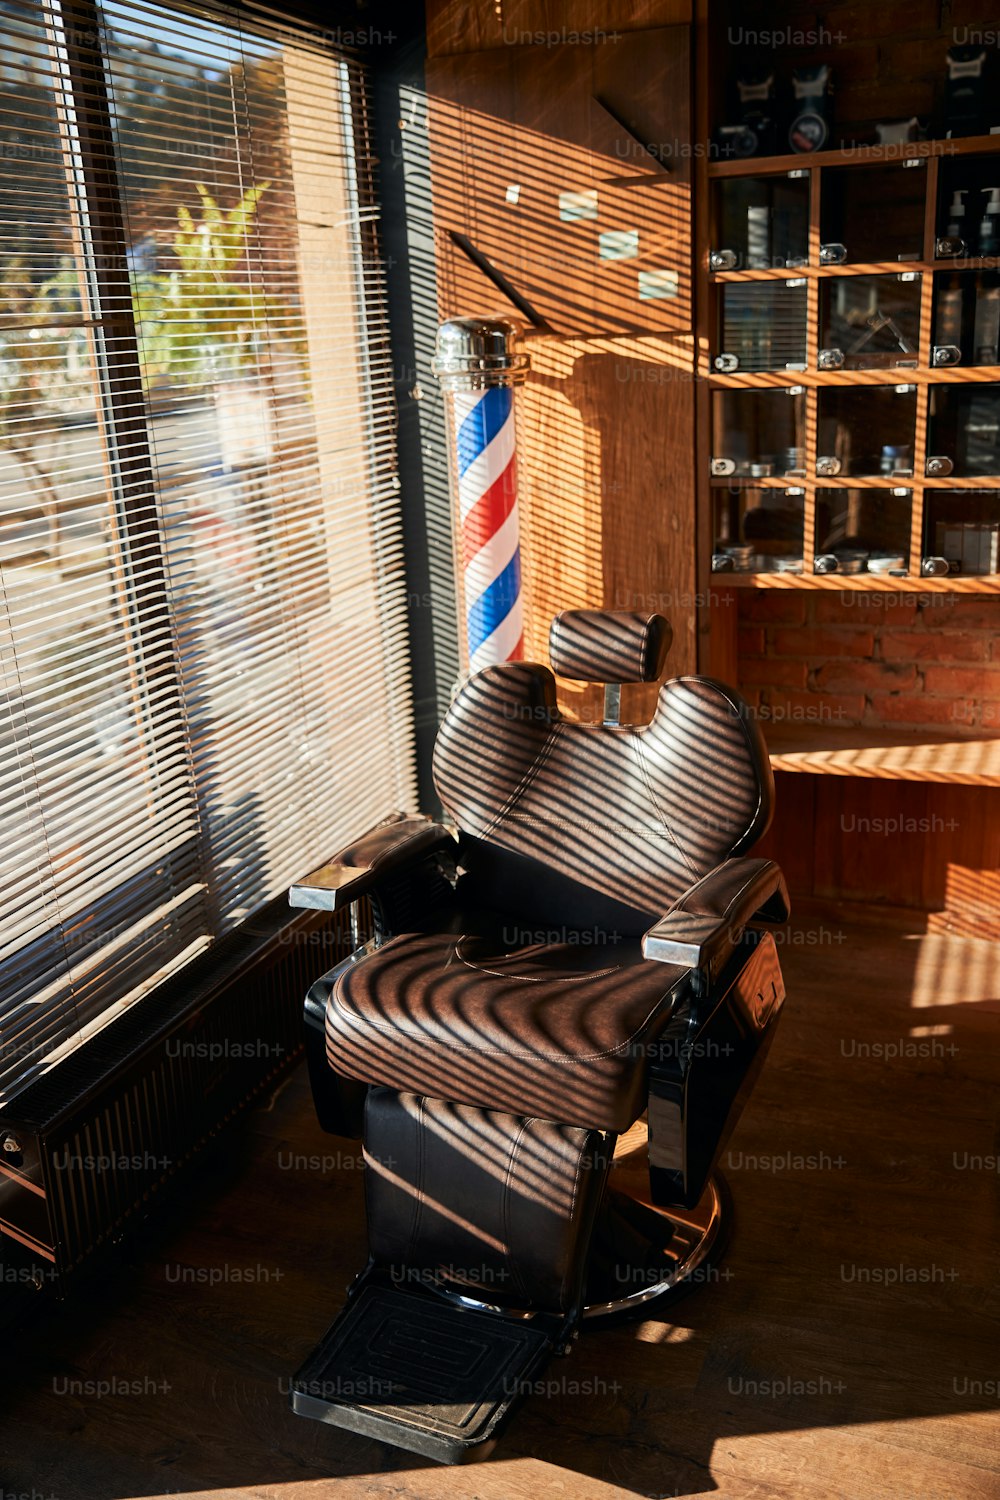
(644,1257)
(658,1257)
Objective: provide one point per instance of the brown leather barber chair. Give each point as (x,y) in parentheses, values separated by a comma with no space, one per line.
(578,950)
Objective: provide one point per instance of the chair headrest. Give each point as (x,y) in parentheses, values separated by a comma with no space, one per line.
(606,645)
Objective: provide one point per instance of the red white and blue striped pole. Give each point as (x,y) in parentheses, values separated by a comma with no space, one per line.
(479,365)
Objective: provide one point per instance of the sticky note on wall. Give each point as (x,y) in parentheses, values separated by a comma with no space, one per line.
(654,284)
(618,244)
(574,206)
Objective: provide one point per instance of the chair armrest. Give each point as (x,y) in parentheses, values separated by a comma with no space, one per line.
(357,869)
(701,930)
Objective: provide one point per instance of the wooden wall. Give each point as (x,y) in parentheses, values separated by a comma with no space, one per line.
(563,99)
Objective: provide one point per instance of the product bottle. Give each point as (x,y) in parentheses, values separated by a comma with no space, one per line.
(956,222)
(986,337)
(989,229)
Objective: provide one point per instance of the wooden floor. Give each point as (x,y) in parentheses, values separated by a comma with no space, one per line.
(850,1349)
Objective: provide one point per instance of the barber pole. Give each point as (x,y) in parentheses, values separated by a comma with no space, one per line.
(479,365)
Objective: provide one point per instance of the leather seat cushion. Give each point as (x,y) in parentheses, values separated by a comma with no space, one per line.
(554,1030)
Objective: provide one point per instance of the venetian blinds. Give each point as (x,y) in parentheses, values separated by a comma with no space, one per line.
(202,601)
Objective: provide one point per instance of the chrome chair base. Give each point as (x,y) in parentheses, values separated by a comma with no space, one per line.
(642,1257)
(683,1248)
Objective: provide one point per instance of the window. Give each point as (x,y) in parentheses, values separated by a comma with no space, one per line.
(202,602)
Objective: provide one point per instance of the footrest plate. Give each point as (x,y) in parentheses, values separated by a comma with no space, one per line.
(402,1367)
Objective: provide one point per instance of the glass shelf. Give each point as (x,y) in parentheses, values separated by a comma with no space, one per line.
(963,434)
(758,434)
(761,222)
(863,531)
(869,322)
(865,432)
(963,528)
(758,530)
(761,327)
(873,215)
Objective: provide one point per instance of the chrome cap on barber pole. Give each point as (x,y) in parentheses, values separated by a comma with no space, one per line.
(478,362)
(475,352)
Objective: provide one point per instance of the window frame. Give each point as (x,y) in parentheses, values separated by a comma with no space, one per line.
(99,214)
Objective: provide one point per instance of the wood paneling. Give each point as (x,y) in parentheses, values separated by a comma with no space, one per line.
(606,418)
(607,518)
(516,130)
(473,25)
(930,847)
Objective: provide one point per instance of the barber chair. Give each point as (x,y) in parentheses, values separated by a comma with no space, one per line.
(549,1038)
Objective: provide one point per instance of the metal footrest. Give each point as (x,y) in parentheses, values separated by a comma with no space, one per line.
(402,1367)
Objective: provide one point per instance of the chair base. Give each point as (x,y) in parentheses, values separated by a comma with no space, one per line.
(641,1257)
(440,1371)
(676,1250)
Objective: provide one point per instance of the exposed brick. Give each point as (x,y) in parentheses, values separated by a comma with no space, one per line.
(772,607)
(774,672)
(907,708)
(866,611)
(813,708)
(964,612)
(811,641)
(933,645)
(751,640)
(961,682)
(866,676)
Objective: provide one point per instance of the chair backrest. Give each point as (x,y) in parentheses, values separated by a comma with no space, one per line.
(599,821)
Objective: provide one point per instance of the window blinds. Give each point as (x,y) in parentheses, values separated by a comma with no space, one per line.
(202,601)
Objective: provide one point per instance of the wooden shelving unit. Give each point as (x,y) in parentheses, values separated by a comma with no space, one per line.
(918,374)
(817,653)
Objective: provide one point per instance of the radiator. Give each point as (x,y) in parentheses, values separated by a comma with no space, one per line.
(87,1147)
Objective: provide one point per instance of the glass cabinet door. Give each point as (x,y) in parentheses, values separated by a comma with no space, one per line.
(762,326)
(863,531)
(962,529)
(966,318)
(758,530)
(866,431)
(758,434)
(760,222)
(963,433)
(968,208)
(872,214)
(869,322)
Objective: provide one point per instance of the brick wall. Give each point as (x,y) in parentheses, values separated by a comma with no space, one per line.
(916,660)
